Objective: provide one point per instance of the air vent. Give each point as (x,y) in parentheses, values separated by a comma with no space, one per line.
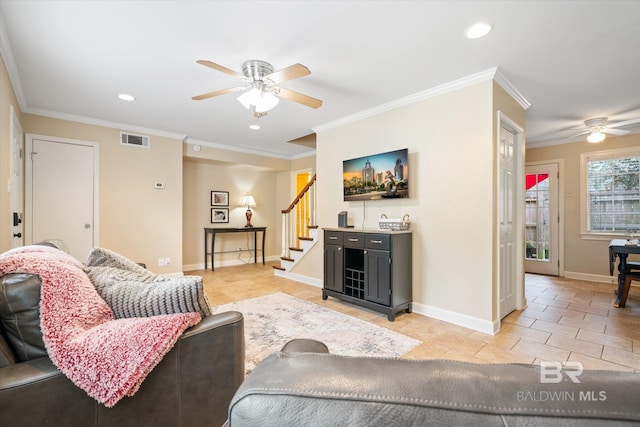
(132,139)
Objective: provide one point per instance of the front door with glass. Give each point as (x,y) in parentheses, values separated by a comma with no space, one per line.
(541,219)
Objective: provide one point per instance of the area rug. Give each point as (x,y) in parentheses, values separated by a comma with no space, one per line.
(272,320)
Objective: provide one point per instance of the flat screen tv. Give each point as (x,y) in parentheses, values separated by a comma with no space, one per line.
(376,177)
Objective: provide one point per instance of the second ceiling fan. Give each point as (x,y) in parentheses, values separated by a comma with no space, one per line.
(262,91)
(599,126)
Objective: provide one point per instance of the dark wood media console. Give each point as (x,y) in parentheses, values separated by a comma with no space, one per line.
(370,268)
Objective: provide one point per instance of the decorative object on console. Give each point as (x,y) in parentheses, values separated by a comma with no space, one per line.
(219,198)
(376,177)
(249,202)
(342,219)
(394,224)
(219,215)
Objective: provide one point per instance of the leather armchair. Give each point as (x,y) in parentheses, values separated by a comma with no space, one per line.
(191,386)
(304,385)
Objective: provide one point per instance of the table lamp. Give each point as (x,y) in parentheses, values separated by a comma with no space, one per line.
(249,202)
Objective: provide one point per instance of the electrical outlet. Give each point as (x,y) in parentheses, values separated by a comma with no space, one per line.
(167,261)
(239,249)
(161,262)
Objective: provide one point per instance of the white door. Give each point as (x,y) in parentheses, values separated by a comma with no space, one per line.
(16,181)
(506,215)
(61,192)
(541,219)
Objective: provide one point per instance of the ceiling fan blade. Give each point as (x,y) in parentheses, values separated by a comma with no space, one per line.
(297,97)
(615,131)
(221,68)
(584,132)
(291,72)
(218,93)
(624,123)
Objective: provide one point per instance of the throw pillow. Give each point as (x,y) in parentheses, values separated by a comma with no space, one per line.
(101,257)
(132,291)
(129,296)
(20,315)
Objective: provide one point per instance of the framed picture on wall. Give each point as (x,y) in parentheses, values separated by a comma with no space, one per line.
(219,215)
(219,198)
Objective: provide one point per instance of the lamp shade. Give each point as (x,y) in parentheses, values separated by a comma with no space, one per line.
(248,201)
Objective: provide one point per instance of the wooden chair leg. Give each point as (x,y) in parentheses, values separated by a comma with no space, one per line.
(625,291)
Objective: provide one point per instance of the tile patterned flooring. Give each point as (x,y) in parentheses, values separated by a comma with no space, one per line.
(565,320)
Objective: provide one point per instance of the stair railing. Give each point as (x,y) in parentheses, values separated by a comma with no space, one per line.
(298,216)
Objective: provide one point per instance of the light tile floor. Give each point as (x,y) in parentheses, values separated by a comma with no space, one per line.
(565,320)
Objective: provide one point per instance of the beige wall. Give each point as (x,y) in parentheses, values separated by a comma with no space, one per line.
(451,157)
(7,99)
(585,257)
(135,219)
(200,178)
(267,179)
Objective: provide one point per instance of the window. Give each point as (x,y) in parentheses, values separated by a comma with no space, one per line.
(611,192)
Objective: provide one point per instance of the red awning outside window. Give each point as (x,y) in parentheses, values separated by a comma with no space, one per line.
(533,179)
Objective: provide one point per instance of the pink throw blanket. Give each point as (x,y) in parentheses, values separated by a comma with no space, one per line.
(107,358)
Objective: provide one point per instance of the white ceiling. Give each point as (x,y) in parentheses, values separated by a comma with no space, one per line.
(572,60)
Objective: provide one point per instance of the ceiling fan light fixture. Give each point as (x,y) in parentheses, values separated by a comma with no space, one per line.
(249,98)
(595,137)
(263,101)
(267,102)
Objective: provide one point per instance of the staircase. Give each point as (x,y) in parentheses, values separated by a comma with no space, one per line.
(299,232)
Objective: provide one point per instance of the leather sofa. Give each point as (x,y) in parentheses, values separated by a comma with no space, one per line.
(303,385)
(191,386)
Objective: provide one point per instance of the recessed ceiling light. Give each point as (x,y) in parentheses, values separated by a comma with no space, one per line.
(254,127)
(478,30)
(127,97)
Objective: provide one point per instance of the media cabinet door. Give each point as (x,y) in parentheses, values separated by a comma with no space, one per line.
(333,268)
(377,285)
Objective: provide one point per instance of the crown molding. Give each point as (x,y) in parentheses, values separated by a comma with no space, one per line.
(490,74)
(104,123)
(143,130)
(502,80)
(193,141)
(550,143)
(10,63)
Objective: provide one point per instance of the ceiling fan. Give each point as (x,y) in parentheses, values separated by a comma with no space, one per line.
(261,92)
(599,126)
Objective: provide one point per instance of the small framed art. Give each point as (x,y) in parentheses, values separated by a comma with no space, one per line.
(219,215)
(219,198)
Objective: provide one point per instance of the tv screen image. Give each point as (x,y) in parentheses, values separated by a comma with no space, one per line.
(376,177)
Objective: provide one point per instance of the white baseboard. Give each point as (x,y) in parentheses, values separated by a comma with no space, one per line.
(299,278)
(227,263)
(459,319)
(592,277)
(463,320)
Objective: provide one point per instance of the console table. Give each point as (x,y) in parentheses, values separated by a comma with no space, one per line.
(370,268)
(216,230)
